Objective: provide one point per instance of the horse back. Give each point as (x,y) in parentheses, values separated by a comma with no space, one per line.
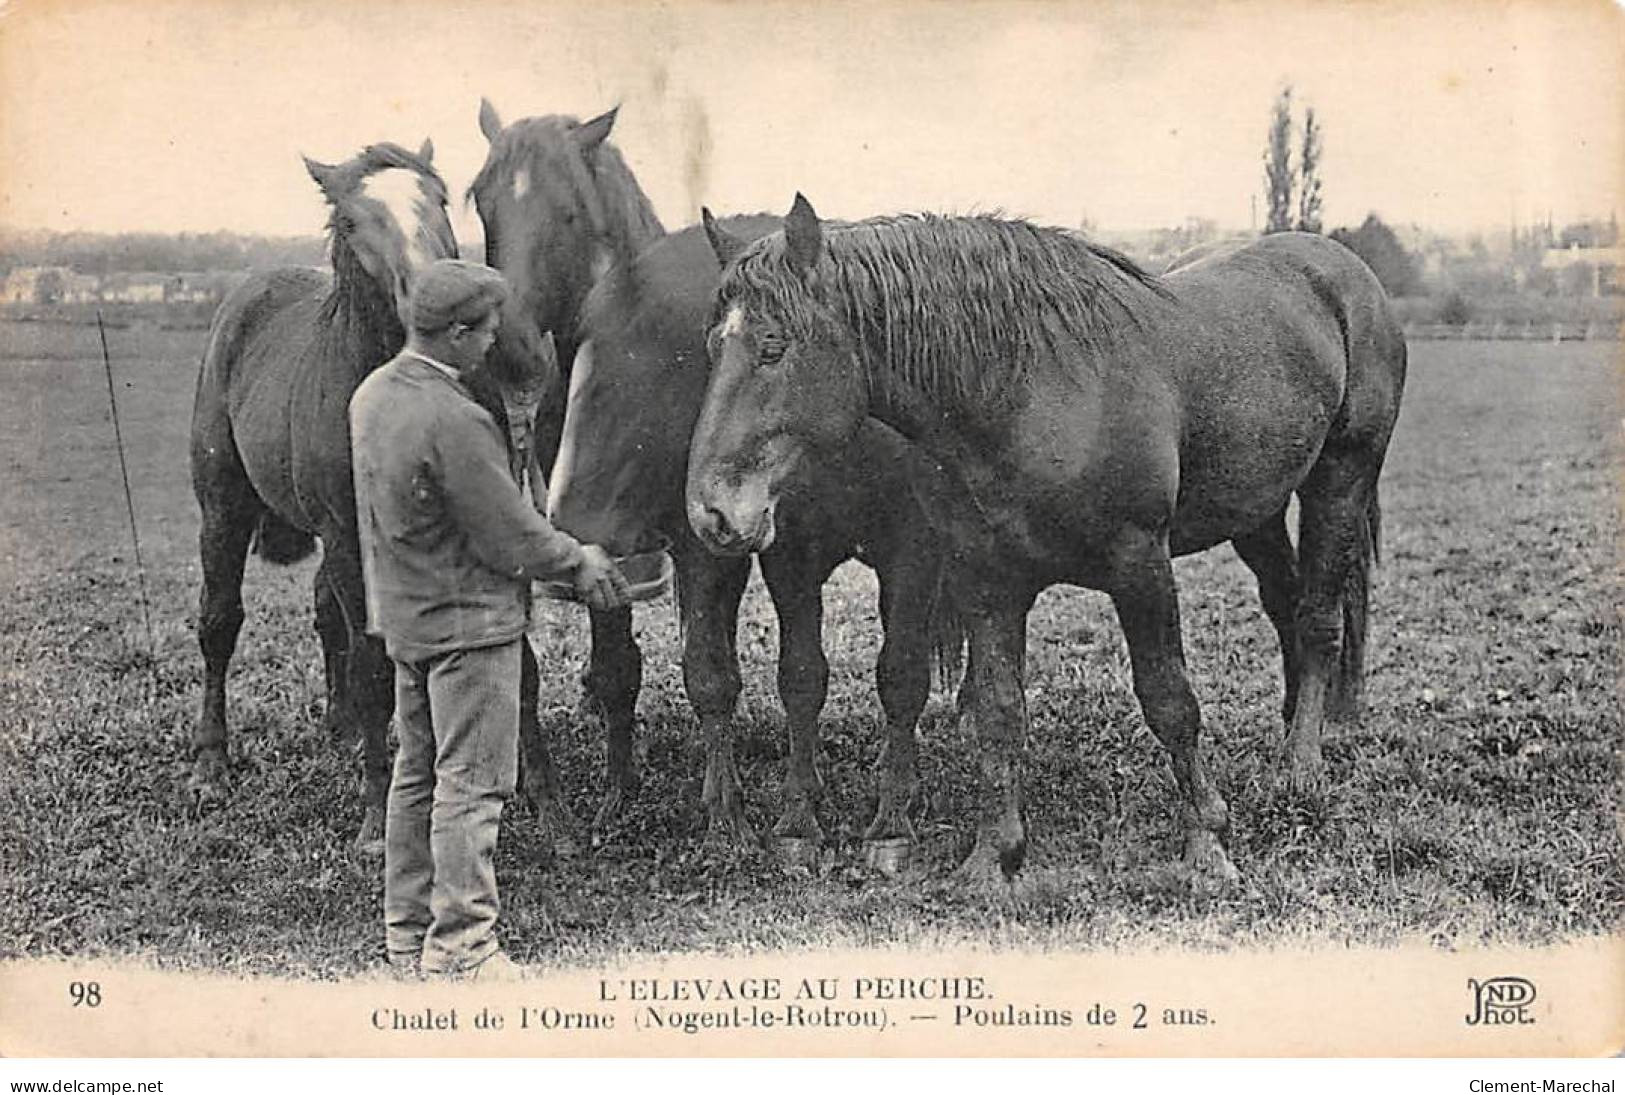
(1279,349)
(1296,304)
(1370,339)
(249,308)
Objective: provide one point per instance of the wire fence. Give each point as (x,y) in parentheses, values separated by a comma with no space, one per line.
(1531,331)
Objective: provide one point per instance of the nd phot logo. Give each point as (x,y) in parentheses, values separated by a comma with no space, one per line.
(1501,1001)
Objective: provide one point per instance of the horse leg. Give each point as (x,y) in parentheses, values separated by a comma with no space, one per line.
(997,628)
(366,696)
(1333,535)
(230,514)
(540,782)
(967,689)
(372,680)
(907,580)
(1147,603)
(334,634)
(796,581)
(1268,553)
(614,678)
(709,591)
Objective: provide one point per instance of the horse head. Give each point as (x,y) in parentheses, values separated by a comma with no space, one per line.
(635,392)
(785,381)
(559,208)
(388,216)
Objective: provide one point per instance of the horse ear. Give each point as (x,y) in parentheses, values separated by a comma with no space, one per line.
(426,153)
(323,173)
(803,236)
(490,124)
(726,245)
(591,134)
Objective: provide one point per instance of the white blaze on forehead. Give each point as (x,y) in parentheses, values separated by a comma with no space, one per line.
(521,183)
(399,190)
(564,463)
(734,322)
(602,260)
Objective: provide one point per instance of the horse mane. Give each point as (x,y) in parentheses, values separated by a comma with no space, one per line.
(386,154)
(356,306)
(955,307)
(666,276)
(599,180)
(368,305)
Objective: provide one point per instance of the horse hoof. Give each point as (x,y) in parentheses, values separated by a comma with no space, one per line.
(796,851)
(609,814)
(590,711)
(208,781)
(563,840)
(1307,779)
(557,828)
(984,870)
(206,793)
(369,842)
(1209,866)
(728,834)
(1213,880)
(889,856)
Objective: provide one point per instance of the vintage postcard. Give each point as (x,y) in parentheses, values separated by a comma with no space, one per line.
(1119,505)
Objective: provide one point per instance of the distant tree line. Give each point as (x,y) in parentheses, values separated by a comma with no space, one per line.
(1376,243)
(97,253)
(1294,199)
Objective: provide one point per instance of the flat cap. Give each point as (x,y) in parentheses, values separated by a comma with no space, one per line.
(454,291)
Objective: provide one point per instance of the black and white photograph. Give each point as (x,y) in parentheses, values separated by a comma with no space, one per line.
(694,529)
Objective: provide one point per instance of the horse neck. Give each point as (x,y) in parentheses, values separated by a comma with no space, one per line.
(359,321)
(916,415)
(634,226)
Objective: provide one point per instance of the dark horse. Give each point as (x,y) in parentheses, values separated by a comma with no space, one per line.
(560,208)
(1097,421)
(271,440)
(562,212)
(635,394)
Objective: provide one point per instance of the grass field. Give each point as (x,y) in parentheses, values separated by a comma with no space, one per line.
(1477,802)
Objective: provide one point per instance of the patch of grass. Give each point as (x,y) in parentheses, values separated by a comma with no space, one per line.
(1476,801)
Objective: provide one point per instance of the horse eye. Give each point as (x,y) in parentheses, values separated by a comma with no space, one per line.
(771,349)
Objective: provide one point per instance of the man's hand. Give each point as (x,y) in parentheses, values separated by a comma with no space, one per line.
(598,581)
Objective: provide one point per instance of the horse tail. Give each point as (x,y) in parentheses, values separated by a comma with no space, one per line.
(947,633)
(1349,686)
(1380,355)
(278,542)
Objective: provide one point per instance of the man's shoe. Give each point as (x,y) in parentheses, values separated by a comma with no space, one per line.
(404,965)
(496,969)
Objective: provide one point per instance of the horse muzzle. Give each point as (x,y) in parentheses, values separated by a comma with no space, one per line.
(731,532)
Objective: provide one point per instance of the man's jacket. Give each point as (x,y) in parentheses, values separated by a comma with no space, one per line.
(449,545)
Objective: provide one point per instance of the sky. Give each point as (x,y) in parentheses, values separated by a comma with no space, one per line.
(191,115)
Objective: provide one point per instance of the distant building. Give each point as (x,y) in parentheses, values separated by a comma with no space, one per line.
(1602,264)
(188,289)
(80,288)
(36,285)
(61,285)
(134,288)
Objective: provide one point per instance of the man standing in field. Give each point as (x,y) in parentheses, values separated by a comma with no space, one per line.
(449,547)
